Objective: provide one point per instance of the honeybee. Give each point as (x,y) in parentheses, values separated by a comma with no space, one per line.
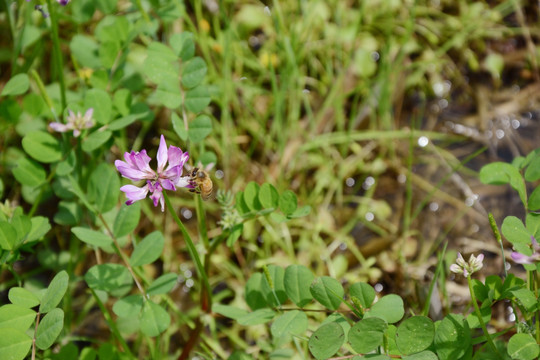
(202,182)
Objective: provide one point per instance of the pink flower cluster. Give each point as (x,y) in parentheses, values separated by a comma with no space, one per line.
(137,168)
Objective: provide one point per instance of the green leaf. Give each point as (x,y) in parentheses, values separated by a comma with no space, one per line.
(533,170)
(208,157)
(297,281)
(389,307)
(159,69)
(277,288)
(534,200)
(55,292)
(292,322)
(162,51)
(128,325)
(69,213)
(179,127)
(326,341)
(527,298)
(367,334)
(112,278)
(148,250)
(472,318)
(40,226)
(49,328)
(452,337)
(42,146)
(200,128)
(415,334)
(14,344)
(104,187)
(127,219)
(193,72)
(67,165)
(424,355)
(328,291)
(124,122)
(122,101)
(8,236)
(338,319)
(22,297)
(68,351)
(183,45)
(22,226)
(168,93)
(17,85)
(231,312)
(257,317)
(108,53)
(106,6)
(128,306)
(251,196)
(236,231)
(288,202)
(85,51)
(163,284)
(498,173)
(154,319)
(513,229)
(159,64)
(254,295)
(364,293)
(300,212)
(197,99)
(101,102)
(95,140)
(92,237)
(29,173)
(16,317)
(268,196)
(113,28)
(523,347)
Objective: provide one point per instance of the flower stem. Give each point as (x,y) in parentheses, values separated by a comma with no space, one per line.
(112,325)
(123,256)
(44,94)
(480,319)
(57,52)
(206,301)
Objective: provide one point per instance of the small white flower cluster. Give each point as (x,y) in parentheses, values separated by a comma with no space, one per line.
(467,268)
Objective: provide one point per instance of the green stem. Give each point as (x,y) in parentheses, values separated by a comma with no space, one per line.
(481,320)
(142,10)
(206,302)
(440,262)
(201,221)
(123,256)
(57,53)
(112,325)
(44,94)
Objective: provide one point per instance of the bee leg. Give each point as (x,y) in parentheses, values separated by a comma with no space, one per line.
(197,191)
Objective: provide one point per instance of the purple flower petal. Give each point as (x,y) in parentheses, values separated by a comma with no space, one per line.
(157,194)
(168,184)
(177,157)
(162,155)
(59,127)
(142,161)
(173,173)
(520,258)
(134,193)
(129,172)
